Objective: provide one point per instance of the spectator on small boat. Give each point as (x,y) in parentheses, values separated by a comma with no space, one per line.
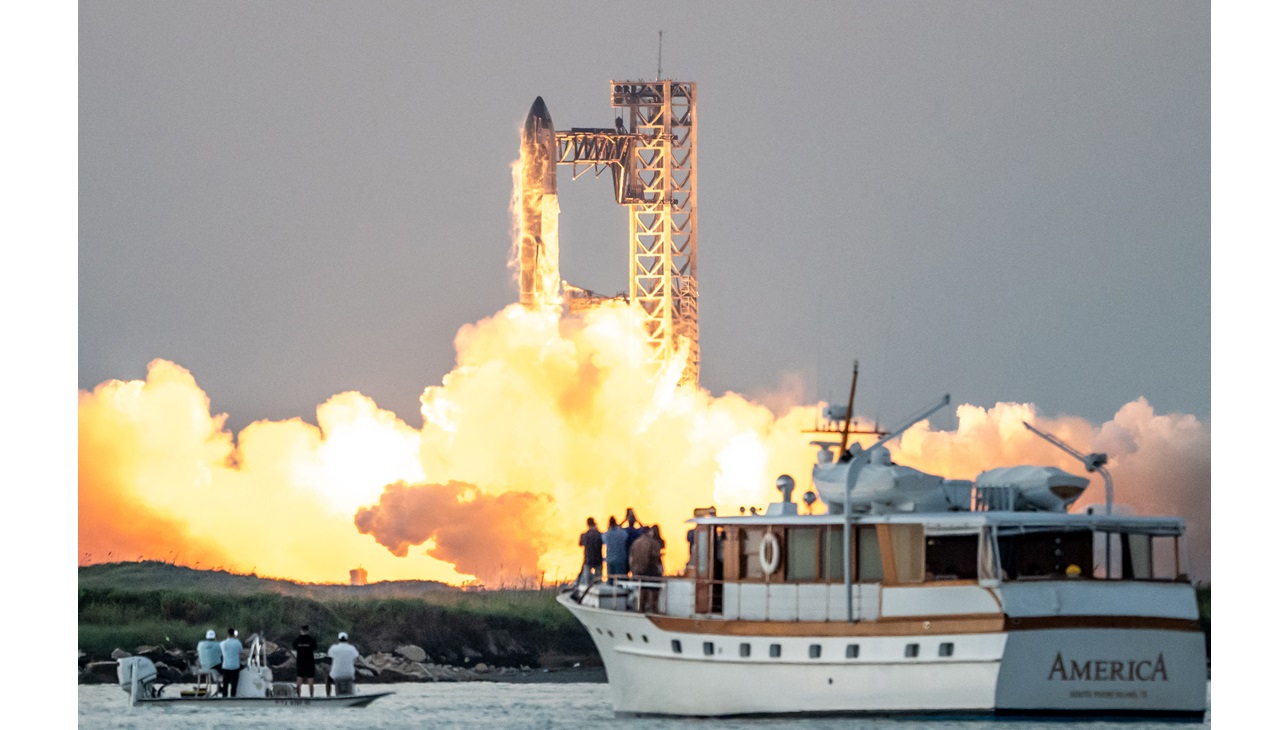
(615,545)
(592,543)
(342,675)
(646,564)
(305,648)
(231,647)
(209,654)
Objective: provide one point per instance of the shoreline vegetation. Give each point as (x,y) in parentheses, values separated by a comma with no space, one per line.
(405,630)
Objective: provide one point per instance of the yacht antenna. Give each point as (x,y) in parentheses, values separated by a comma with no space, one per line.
(848,414)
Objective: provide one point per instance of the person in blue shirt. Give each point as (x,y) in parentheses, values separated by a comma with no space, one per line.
(209,653)
(231,647)
(615,546)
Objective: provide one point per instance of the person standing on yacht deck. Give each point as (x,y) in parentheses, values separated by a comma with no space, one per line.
(231,647)
(615,545)
(592,543)
(343,672)
(646,564)
(305,648)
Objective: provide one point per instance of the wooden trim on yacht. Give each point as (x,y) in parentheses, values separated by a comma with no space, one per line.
(1155,623)
(913,626)
(982,623)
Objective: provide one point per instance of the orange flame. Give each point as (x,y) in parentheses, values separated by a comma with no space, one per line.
(546,419)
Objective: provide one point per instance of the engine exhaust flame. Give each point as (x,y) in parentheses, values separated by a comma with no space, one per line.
(547,418)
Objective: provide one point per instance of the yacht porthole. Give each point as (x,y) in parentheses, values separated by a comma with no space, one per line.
(646,639)
(628,637)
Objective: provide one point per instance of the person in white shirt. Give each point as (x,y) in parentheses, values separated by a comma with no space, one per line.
(343,672)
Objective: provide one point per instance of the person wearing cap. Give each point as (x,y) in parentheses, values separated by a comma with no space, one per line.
(304,648)
(209,653)
(343,672)
(231,647)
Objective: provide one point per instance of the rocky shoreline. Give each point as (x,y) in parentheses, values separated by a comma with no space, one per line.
(407,663)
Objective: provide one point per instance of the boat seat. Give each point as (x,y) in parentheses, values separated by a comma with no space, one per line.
(207,681)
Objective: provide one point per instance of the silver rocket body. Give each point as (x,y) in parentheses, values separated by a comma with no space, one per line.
(538,151)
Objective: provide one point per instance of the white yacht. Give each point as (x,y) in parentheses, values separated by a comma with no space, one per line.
(912,594)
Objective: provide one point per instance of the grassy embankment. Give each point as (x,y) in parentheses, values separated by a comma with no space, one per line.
(126,605)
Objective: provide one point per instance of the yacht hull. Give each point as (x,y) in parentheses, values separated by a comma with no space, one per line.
(653,669)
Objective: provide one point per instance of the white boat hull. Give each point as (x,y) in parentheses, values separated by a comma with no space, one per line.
(357,700)
(993,672)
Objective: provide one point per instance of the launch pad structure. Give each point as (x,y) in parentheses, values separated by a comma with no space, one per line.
(652,151)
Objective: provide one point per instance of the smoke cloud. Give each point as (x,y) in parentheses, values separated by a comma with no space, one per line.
(1159,464)
(499,538)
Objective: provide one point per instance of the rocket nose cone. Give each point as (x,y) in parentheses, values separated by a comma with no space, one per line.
(539,110)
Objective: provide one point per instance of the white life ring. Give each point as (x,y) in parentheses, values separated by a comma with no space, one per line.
(769,545)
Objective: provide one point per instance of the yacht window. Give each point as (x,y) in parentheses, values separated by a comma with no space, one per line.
(703,548)
(1136,558)
(851,651)
(744,650)
(913,651)
(946,648)
(1046,554)
(951,557)
(869,568)
(833,553)
(775,650)
(815,651)
(802,554)
(750,558)
(675,646)
(708,648)
(907,543)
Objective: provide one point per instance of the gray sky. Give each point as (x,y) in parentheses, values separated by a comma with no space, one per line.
(1006,201)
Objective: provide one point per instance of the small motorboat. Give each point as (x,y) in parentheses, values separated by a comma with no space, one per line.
(137,677)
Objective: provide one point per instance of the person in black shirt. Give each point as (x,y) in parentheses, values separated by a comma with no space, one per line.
(305,647)
(592,551)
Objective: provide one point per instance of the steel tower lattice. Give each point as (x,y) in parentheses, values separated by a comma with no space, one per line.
(653,153)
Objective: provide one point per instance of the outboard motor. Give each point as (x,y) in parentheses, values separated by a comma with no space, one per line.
(137,675)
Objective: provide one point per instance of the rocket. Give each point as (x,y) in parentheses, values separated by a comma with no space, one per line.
(539,206)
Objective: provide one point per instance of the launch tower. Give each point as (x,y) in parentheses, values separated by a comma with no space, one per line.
(652,151)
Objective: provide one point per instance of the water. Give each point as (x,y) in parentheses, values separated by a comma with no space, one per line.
(496,705)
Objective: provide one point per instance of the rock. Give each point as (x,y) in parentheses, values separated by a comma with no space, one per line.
(119,654)
(84,660)
(407,672)
(177,658)
(365,674)
(482,667)
(412,653)
(99,673)
(166,674)
(278,657)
